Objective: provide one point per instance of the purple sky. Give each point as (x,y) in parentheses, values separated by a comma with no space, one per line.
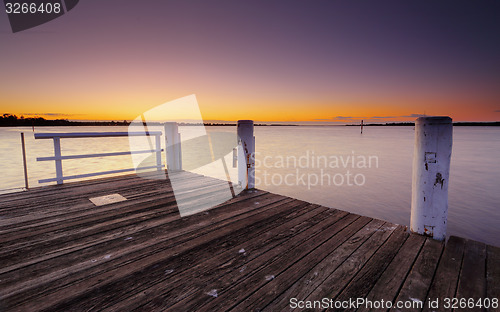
(263,60)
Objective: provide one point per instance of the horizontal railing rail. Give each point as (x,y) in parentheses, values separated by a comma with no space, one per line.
(96,155)
(93,134)
(58,158)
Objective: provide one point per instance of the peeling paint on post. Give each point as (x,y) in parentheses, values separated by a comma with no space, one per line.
(173,147)
(246,154)
(431,171)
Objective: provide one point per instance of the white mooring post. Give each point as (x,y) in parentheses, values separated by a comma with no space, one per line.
(246,154)
(431,171)
(173,147)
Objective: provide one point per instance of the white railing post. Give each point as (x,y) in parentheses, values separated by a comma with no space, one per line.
(25,166)
(431,171)
(158,151)
(246,154)
(173,146)
(58,160)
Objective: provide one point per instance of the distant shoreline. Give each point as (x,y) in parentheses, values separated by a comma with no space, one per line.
(412,124)
(8,120)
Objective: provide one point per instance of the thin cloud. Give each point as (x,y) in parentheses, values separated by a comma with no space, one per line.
(497,111)
(345,117)
(56,114)
(48,114)
(414,115)
(382,117)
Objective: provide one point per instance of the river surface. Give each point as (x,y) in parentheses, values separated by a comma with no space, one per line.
(335,166)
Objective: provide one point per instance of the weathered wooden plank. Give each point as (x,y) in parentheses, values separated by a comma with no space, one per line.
(318,274)
(169,248)
(113,213)
(47,236)
(362,265)
(173,288)
(342,275)
(146,241)
(52,263)
(266,294)
(472,281)
(237,281)
(47,189)
(73,206)
(139,281)
(444,284)
(47,193)
(419,279)
(388,285)
(322,242)
(81,244)
(227,273)
(71,203)
(45,221)
(63,208)
(493,275)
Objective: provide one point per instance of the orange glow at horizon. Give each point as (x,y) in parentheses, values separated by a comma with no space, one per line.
(217,109)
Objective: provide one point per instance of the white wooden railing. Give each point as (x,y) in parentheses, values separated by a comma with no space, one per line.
(58,158)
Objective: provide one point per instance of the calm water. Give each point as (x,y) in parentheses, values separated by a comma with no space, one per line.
(384,189)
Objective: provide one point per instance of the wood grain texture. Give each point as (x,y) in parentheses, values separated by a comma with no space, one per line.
(390,282)
(472,280)
(444,284)
(493,275)
(59,252)
(419,279)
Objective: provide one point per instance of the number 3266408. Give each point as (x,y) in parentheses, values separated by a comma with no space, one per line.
(32,8)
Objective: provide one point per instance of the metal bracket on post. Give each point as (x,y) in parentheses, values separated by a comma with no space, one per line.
(173,147)
(431,171)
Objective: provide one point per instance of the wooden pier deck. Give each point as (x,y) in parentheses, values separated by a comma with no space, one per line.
(60,252)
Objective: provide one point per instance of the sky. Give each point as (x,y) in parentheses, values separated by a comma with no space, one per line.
(286,61)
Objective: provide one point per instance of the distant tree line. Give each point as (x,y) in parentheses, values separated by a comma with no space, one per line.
(9,120)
